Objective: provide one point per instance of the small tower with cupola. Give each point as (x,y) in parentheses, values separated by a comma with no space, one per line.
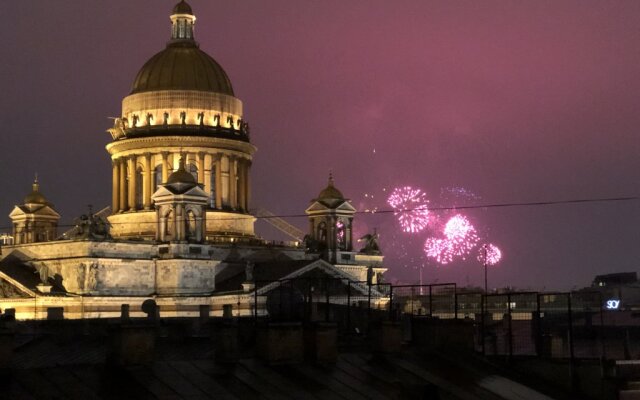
(180,208)
(330,224)
(35,220)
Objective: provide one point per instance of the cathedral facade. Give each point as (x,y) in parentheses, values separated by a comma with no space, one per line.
(179,229)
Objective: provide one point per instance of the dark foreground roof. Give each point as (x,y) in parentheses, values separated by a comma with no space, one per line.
(74,367)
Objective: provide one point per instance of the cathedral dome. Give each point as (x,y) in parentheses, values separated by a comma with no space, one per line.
(182,66)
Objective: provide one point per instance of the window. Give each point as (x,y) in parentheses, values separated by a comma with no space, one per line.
(139,188)
(157,177)
(341,235)
(193,169)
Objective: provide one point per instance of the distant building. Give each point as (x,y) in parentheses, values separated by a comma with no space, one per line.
(616,279)
(179,229)
(620,291)
(6,239)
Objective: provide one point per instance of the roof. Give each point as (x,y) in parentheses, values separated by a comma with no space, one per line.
(618,278)
(35,197)
(181,175)
(182,8)
(26,274)
(182,66)
(330,192)
(73,365)
(232,277)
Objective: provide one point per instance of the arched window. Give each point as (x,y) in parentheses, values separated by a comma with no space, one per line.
(322,232)
(212,191)
(341,235)
(191,225)
(193,169)
(139,188)
(157,177)
(169,223)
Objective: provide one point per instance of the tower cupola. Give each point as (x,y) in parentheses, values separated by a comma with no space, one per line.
(182,22)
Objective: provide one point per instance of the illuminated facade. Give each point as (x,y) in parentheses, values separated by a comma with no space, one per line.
(178,230)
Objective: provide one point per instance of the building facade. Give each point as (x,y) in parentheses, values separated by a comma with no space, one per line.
(179,229)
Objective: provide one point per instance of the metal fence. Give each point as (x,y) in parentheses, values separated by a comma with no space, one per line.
(567,325)
(352,305)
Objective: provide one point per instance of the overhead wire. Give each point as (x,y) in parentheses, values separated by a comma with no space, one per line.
(442,208)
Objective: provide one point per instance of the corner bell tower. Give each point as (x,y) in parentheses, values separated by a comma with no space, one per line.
(35,220)
(330,224)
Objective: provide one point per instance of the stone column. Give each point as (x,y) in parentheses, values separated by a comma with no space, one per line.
(242,185)
(115,199)
(208,164)
(147,182)
(179,225)
(331,233)
(233,182)
(248,184)
(225,163)
(161,223)
(131,167)
(200,164)
(199,227)
(165,169)
(218,182)
(123,184)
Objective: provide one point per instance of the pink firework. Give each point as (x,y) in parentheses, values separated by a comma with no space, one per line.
(438,250)
(461,233)
(411,207)
(489,253)
(460,239)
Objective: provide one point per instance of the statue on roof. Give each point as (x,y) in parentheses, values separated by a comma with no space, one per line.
(43,272)
(91,226)
(371,245)
(248,270)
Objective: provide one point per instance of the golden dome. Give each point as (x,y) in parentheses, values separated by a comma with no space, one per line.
(35,197)
(182,66)
(181,175)
(330,192)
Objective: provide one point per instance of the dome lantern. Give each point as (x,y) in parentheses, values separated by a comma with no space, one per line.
(182,22)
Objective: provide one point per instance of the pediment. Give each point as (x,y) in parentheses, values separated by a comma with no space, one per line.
(44,211)
(176,189)
(162,191)
(318,207)
(330,270)
(196,191)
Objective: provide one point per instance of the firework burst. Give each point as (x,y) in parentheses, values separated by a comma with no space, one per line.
(411,207)
(460,239)
(437,249)
(489,254)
